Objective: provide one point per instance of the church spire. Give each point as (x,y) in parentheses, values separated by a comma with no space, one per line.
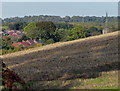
(106,22)
(106,28)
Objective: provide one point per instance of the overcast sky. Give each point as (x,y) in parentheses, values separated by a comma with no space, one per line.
(13,9)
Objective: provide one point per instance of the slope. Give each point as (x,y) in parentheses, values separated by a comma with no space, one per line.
(83,58)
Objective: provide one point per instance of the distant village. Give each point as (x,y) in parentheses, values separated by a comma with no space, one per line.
(19,36)
(15,35)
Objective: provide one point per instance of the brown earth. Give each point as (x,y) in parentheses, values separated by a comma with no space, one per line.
(83,58)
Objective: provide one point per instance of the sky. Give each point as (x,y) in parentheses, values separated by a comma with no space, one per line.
(59,0)
(20,9)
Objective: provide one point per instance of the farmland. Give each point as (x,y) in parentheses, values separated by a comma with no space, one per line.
(81,63)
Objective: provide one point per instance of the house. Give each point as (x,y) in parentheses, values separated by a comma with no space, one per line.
(17,44)
(39,41)
(21,44)
(25,44)
(31,42)
(11,32)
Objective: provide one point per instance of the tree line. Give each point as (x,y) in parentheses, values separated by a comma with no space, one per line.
(57,19)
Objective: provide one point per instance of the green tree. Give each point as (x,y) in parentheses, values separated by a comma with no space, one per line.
(32,31)
(61,35)
(93,31)
(24,37)
(46,29)
(41,30)
(17,25)
(76,33)
(69,34)
(7,40)
(4,44)
(49,41)
(63,25)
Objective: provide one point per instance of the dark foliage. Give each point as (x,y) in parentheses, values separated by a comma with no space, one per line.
(9,78)
(57,19)
(93,31)
(63,25)
(17,25)
(42,30)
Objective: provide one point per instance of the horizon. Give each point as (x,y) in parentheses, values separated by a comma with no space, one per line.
(58,15)
(97,9)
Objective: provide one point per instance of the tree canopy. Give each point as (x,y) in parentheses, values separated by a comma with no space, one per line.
(40,29)
(93,31)
(17,25)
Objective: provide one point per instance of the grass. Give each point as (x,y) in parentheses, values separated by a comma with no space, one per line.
(108,80)
(5,27)
(107,87)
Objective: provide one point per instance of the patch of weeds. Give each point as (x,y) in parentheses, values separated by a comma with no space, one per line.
(107,87)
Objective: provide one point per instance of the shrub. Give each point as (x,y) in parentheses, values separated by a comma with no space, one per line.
(50,41)
(39,45)
(10,80)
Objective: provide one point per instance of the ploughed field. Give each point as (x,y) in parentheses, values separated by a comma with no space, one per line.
(84,58)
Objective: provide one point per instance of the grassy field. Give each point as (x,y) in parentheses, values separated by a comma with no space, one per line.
(107,80)
(80,64)
(5,27)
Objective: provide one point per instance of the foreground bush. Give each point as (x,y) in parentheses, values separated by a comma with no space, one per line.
(10,80)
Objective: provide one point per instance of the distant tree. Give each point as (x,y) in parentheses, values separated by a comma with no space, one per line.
(23,38)
(47,29)
(66,18)
(41,30)
(59,19)
(6,45)
(93,31)
(77,32)
(32,30)
(63,25)
(49,41)
(76,19)
(7,40)
(69,34)
(17,26)
(61,34)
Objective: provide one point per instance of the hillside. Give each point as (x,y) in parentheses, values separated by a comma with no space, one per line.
(83,58)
